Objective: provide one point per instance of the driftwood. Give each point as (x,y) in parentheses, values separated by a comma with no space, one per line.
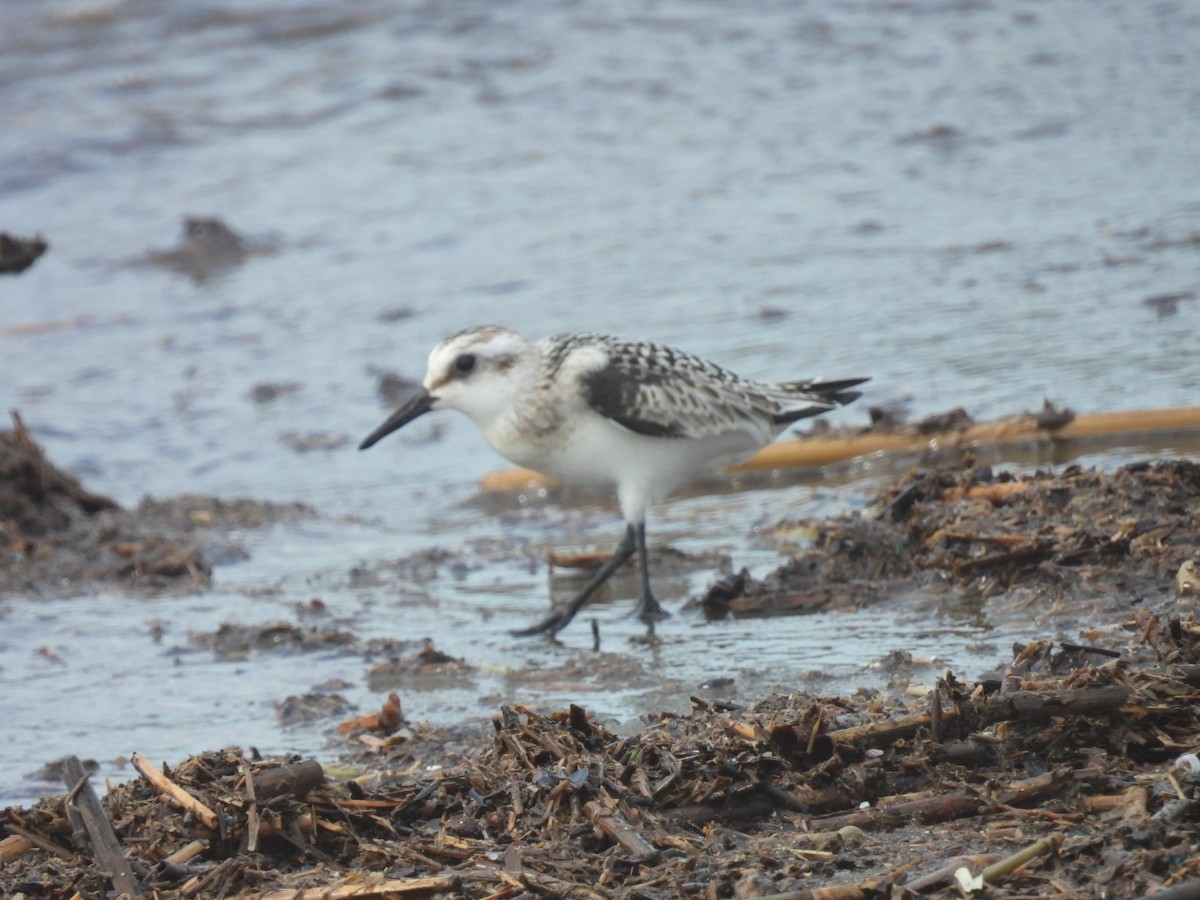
(89,818)
(294,779)
(858,891)
(1184,890)
(16,845)
(253,822)
(884,733)
(170,789)
(1036,706)
(1007,707)
(615,828)
(186,853)
(813,452)
(22,840)
(997,871)
(383,888)
(923,811)
(947,870)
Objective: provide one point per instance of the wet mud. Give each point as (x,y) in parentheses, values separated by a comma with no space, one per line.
(1064,777)
(1064,773)
(59,539)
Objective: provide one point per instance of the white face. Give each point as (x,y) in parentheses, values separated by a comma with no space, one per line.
(474,372)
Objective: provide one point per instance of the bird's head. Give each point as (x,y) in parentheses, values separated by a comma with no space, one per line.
(473,371)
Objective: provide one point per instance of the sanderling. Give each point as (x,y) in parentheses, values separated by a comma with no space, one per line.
(591,409)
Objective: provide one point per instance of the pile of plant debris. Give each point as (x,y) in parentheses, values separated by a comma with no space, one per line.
(56,536)
(1073,775)
(1126,537)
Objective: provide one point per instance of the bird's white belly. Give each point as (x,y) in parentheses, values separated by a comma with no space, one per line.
(596,452)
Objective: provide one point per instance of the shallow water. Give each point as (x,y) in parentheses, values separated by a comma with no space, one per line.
(969,202)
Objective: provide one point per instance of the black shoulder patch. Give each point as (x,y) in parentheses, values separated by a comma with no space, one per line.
(613,392)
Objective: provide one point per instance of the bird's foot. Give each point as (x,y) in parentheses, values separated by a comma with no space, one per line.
(650,611)
(551,625)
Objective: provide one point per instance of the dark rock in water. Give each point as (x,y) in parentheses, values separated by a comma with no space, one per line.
(208,248)
(1165,305)
(268,391)
(393,388)
(18,254)
(52,771)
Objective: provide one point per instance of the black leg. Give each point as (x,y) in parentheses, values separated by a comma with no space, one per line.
(559,618)
(648,609)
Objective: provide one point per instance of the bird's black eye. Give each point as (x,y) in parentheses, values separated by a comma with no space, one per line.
(465,363)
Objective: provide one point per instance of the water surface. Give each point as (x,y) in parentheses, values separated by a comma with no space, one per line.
(977,204)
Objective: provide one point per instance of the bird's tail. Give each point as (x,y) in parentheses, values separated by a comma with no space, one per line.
(815,396)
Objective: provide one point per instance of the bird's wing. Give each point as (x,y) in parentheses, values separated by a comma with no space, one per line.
(661,392)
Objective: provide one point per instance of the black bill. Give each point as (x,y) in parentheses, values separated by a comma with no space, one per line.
(416,405)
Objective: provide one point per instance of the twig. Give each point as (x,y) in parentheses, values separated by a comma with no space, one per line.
(186,853)
(815,731)
(935,712)
(616,828)
(432,884)
(30,839)
(1044,847)
(924,811)
(252,820)
(858,891)
(946,872)
(170,789)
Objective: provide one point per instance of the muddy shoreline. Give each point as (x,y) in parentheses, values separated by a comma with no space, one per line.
(1070,776)
(1075,747)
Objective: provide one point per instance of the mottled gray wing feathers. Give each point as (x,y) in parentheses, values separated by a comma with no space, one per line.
(657,391)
